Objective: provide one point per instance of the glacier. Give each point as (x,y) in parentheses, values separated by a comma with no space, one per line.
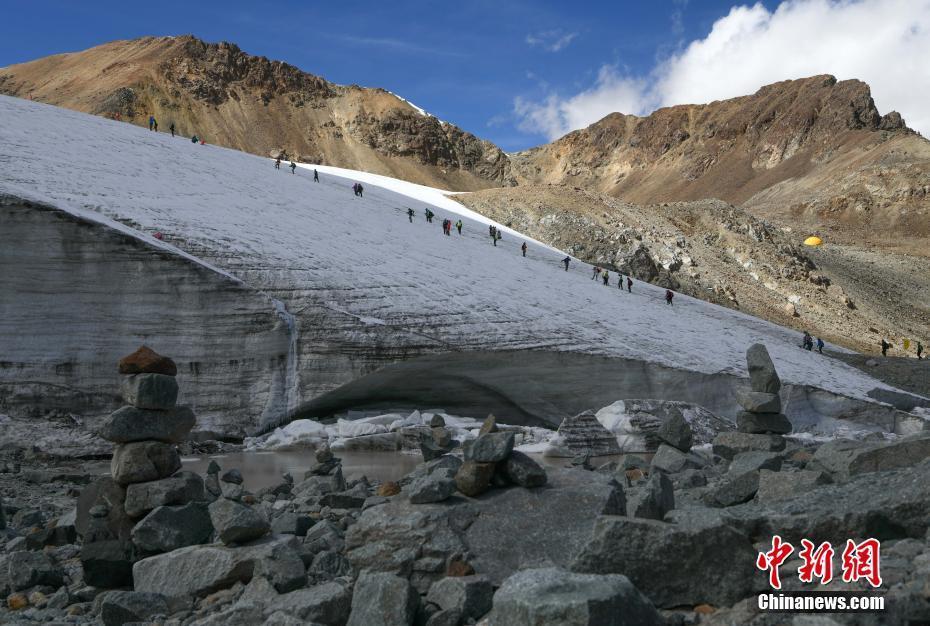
(281,298)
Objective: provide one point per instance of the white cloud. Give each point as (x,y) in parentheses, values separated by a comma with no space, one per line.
(551,40)
(885,43)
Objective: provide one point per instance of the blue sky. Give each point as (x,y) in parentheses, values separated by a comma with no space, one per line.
(513,71)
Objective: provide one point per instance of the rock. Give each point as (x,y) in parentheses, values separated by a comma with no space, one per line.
(328,565)
(147,361)
(17,601)
(472,479)
(652,498)
(179,489)
(144,461)
(729,444)
(758,423)
(843,458)
(762,374)
(434,487)
(213,468)
(323,454)
(121,607)
(324,535)
(671,460)
(107,564)
(291,523)
(168,528)
(430,450)
(442,437)
(352,499)
(521,470)
(555,597)
(490,448)
(150,391)
(720,568)
(471,595)
(636,423)
(755,460)
(737,489)
(237,523)
(329,603)
(111,494)
(212,486)
(2,515)
(676,432)
(489,425)
(283,568)
(775,485)
(758,402)
(388,489)
(583,434)
(436,421)
(130,424)
(382,599)
(446,617)
(232,491)
(233,476)
(27,569)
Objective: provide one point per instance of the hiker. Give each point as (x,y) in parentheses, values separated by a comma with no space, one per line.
(360,190)
(820,345)
(409,214)
(293,167)
(316,176)
(499,237)
(203,142)
(920,351)
(565,261)
(447,227)
(277,163)
(885,346)
(669,296)
(629,284)
(597,272)
(429,216)
(152,124)
(606,277)
(523,248)
(493,231)
(805,340)
(458,226)
(171,128)
(194,139)
(620,283)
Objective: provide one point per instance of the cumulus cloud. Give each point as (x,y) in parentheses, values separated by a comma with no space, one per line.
(551,40)
(885,43)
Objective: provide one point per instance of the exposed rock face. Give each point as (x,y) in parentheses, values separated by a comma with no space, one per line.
(643,425)
(583,434)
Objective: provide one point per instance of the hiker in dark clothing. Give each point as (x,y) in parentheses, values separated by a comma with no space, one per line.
(629,284)
(447,227)
(820,345)
(606,277)
(429,216)
(277,163)
(920,351)
(316,176)
(620,283)
(523,248)
(194,139)
(493,231)
(360,189)
(565,261)
(410,215)
(807,342)
(171,128)
(669,296)
(293,167)
(885,346)
(152,124)
(458,226)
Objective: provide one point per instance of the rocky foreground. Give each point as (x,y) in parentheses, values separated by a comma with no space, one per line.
(478,533)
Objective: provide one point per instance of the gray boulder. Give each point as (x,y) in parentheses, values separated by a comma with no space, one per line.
(328,565)
(179,489)
(143,461)
(233,476)
(237,523)
(755,460)
(521,470)
(672,460)
(737,489)
(27,569)
(328,604)
(130,424)
(107,564)
(758,423)
(676,432)
(473,478)
(555,597)
(471,595)
(150,391)
(290,523)
(282,567)
(383,599)
(103,491)
(762,374)
(122,607)
(758,402)
(844,459)
(489,448)
(774,485)
(652,498)
(168,528)
(719,568)
(584,434)
(729,444)
(434,487)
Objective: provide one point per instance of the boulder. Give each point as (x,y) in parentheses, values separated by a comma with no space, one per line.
(472,479)
(584,434)
(672,460)
(431,450)
(434,487)
(489,425)
(104,491)
(555,597)
(636,423)
(521,470)
(471,595)
(737,489)
(144,461)
(759,402)
(652,498)
(131,424)
(282,567)
(758,423)
(762,374)
(729,444)
(676,432)
(290,523)
(147,361)
(27,569)
(844,458)
(150,391)
(387,489)
(168,528)
(436,421)
(233,476)
(181,488)
(107,564)
(775,485)
(755,460)
(328,565)
(383,599)
(719,568)
(328,604)
(235,522)
(489,448)
(352,499)
(122,607)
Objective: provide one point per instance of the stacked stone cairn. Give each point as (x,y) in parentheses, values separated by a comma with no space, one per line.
(438,441)
(146,506)
(762,405)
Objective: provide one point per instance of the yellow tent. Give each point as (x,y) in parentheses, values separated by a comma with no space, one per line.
(813,241)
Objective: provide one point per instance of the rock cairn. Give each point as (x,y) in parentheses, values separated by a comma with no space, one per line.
(762,406)
(146,506)
(438,441)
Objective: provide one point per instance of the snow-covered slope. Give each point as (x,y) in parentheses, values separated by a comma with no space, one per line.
(350,281)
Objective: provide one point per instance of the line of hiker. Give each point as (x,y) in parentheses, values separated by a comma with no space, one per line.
(604,275)
(807,342)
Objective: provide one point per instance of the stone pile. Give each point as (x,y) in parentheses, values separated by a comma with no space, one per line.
(762,406)
(438,441)
(146,506)
(583,435)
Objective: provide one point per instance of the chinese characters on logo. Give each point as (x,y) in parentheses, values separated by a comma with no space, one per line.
(860,561)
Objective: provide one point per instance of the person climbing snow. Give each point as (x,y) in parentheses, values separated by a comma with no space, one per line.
(316,176)
(920,351)
(885,346)
(293,167)
(171,128)
(566,261)
(429,216)
(194,139)
(629,284)
(669,296)
(152,124)
(360,190)
(458,226)
(820,345)
(410,215)
(620,282)
(498,237)
(807,342)
(597,272)
(523,248)
(447,227)
(277,163)
(606,277)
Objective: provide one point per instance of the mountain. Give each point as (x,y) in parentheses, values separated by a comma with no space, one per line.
(814,153)
(249,103)
(281,297)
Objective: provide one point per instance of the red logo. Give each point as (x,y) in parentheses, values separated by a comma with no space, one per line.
(860,561)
